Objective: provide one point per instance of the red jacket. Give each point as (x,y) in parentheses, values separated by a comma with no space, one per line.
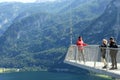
(81,44)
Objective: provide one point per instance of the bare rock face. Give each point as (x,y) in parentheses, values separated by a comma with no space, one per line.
(117,25)
(117,3)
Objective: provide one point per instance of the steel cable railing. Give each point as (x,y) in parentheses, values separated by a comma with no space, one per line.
(92,54)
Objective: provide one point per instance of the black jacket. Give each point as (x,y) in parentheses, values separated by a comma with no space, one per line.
(113,45)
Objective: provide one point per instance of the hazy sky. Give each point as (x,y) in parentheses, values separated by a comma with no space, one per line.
(25,1)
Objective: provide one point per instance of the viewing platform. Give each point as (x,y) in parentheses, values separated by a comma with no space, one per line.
(93,61)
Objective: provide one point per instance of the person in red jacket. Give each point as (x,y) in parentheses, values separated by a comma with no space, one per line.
(80,44)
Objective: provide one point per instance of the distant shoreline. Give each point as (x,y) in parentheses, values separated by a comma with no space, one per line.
(10,70)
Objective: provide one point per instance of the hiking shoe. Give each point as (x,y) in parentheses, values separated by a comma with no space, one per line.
(104,67)
(115,68)
(112,68)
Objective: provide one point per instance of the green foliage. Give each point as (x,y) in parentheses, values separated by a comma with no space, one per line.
(41,38)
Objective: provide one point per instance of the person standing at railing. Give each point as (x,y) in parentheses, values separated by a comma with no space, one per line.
(80,43)
(103,47)
(113,53)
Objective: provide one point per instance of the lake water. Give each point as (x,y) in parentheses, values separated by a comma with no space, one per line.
(47,76)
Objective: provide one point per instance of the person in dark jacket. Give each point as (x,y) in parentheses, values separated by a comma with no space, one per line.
(103,47)
(113,53)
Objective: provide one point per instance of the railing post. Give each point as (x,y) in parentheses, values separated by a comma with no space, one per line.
(76,53)
(95,57)
(107,53)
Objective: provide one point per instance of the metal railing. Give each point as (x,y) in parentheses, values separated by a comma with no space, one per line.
(92,53)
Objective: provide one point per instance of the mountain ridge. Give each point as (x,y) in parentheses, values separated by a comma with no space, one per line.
(41,39)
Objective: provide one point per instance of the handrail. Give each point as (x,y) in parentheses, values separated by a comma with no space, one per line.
(91,53)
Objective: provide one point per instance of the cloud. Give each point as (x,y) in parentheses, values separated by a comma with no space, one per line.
(24,1)
(45,0)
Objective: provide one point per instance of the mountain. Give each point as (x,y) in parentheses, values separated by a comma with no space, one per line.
(39,35)
(8,12)
(11,11)
(105,26)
